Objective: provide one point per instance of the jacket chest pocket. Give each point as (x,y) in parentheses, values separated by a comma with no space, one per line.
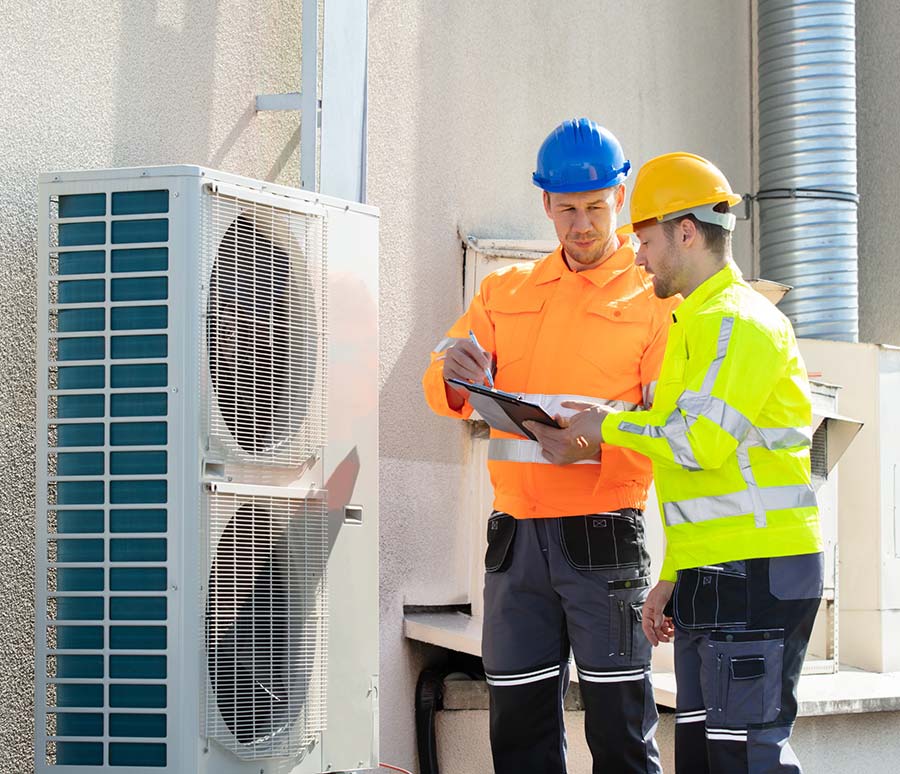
(675,362)
(612,337)
(516,325)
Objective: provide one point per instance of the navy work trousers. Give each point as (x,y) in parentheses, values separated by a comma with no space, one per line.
(741,631)
(553,585)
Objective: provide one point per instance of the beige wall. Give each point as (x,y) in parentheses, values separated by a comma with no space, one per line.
(867,513)
(461,94)
(105,84)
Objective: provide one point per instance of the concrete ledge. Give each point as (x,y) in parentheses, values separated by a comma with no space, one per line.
(452,630)
(849,691)
(845,693)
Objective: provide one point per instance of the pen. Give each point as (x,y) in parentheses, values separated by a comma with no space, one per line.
(487,371)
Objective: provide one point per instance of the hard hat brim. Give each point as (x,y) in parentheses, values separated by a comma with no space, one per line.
(732,200)
(579,186)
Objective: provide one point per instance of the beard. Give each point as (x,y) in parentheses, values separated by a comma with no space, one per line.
(665,281)
(662,287)
(587,256)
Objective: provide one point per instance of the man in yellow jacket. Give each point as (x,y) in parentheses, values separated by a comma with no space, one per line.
(566,566)
(729,437)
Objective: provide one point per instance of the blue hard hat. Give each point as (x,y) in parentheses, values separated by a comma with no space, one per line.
(580,155)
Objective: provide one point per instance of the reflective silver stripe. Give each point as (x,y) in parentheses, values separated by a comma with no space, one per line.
(775,438)
(696,404)
(721,349)
(552,403)
(445,344)
(743,456)
(674,432)
(649,392)
(522,450)
(741,503)
(715,410)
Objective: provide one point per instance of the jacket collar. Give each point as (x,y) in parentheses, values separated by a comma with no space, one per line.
(729,275)
(554,266)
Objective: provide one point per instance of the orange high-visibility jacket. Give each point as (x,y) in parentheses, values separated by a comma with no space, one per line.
(596,335)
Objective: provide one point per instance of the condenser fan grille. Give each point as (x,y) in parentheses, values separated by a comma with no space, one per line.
(265,329)
(266,633)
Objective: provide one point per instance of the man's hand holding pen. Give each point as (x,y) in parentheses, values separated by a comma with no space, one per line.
(466,360)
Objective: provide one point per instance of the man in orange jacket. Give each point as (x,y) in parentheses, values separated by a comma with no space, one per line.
(566,567)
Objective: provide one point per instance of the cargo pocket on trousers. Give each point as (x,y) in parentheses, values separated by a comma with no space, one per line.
(743,677)
(501,529)
(627,644)
(797,577)
(602,541)
(711,597)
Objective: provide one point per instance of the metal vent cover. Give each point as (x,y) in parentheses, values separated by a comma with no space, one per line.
(266,624)
(264,343)
(818,453)
(104,470)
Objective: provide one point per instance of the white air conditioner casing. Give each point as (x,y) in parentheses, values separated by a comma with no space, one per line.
(207,476)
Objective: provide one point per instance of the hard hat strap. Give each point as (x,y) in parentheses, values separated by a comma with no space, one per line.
(707,214)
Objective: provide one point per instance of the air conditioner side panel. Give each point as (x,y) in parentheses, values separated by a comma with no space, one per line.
(351,473)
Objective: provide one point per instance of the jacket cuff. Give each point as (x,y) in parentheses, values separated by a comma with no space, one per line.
(668,571)
(436,396)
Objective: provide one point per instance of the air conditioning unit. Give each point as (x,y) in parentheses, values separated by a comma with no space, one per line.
(207,463)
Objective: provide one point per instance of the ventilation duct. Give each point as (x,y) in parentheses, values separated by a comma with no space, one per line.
(807,162)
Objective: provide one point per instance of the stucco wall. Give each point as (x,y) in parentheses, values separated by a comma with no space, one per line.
(96,85)
(878,110)
(460,96)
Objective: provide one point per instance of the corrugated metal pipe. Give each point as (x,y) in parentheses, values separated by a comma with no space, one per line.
(807,162)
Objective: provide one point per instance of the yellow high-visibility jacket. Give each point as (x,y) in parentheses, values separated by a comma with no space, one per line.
(729,431)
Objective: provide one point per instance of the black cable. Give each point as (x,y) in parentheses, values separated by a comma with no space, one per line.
(429,699)
(805,193)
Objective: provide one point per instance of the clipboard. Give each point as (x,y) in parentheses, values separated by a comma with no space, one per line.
(511,408)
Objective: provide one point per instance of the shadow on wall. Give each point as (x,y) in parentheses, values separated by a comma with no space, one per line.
(164,78)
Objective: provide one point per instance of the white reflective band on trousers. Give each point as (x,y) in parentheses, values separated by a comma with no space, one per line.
(523,678)
(693,405)
(695,716)
(524,450)
(618,676)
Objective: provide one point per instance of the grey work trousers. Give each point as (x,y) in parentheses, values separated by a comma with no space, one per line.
(552,585)
(741,631)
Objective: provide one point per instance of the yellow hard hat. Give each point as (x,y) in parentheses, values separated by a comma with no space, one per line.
(676,184)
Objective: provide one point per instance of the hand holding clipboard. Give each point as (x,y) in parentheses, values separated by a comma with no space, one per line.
(505,410)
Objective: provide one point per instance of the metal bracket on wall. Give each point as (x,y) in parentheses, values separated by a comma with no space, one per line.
(305,101)
(291,101)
